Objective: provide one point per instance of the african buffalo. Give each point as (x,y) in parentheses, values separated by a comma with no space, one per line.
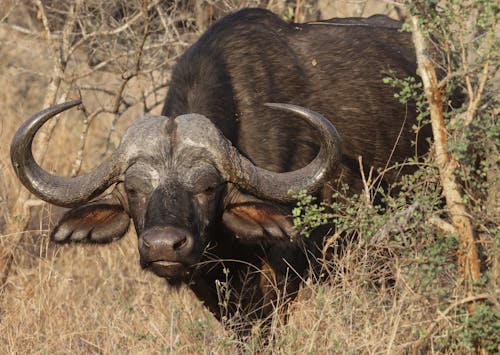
(209,184)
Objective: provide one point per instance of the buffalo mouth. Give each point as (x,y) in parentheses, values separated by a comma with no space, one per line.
(168,269)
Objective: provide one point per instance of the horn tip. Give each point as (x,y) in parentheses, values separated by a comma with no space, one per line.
(74,102)
(276,104)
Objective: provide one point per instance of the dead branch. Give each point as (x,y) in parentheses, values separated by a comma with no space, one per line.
(367,183)
(77,165)
(442,224)
(397,223)
(126,26)
(128,76)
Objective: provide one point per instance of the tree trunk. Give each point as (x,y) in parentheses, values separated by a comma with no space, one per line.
(467,252)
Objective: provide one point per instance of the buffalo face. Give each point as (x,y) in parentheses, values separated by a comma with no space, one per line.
(173,206)
(176,178)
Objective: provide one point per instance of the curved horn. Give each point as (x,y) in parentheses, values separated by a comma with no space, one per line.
(282,186)
(62,191)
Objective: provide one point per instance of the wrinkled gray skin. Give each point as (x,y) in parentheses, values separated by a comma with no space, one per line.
(171,160)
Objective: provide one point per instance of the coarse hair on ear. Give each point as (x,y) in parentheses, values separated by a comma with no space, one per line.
(102,220)
(252,219)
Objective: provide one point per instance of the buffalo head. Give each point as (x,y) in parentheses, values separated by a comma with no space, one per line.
(173,177)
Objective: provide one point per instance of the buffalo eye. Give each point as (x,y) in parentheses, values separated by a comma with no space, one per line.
(206,190)
(210,189)
(140,179)
(203,180)
(131,191)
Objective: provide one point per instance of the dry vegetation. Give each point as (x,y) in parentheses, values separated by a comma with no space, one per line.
(55,299)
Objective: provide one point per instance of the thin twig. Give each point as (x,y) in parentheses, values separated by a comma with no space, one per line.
(77,164)
(463,57)
(366,183)
(395,3)
(126,26)
(127,77)
(473,104)
(442,224)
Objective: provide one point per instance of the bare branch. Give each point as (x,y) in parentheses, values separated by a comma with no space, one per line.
(442,224)
(126,26)
(398,222)
(20,29)
(474,101)
(128,76)
(77,164)
(463,57)
(366,183)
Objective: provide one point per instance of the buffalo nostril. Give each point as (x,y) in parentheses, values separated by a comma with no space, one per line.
(180,243)
(145,243)
(168,244)
(165,240)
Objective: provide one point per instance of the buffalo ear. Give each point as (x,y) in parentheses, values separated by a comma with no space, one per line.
(259,221)
(102,220)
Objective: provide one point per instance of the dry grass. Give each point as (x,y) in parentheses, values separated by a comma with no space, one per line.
(89,299)
(96,299)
